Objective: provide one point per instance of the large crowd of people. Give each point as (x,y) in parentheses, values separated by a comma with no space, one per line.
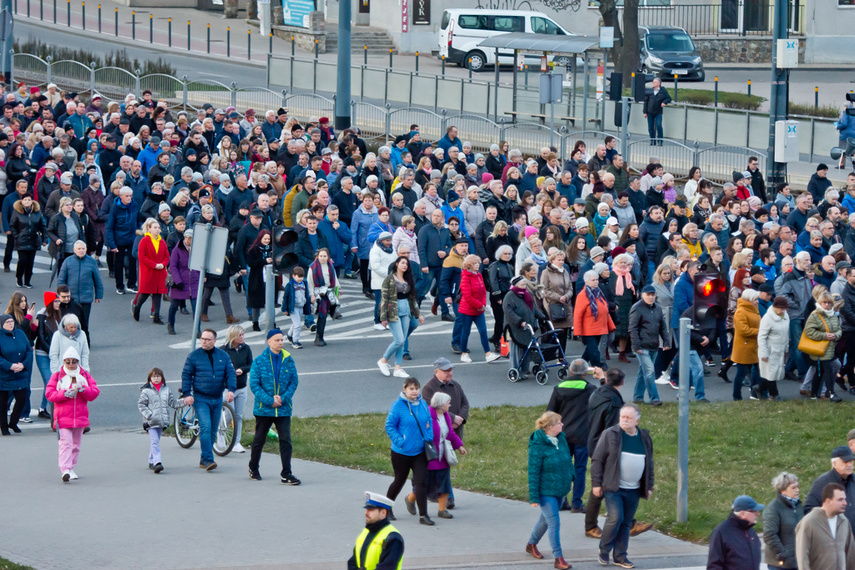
(603,252)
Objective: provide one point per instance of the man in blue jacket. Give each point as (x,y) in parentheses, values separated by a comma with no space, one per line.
(208,371)
(434,243)
(684,292)
(338,238)
(273,381)
(80,273)
(119,237)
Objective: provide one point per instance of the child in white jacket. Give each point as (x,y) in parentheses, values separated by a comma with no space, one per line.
(155,404)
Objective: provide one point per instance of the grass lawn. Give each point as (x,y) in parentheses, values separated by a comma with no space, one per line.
(735,448)
(6,565)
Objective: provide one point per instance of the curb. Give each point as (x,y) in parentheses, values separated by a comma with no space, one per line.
(127,42)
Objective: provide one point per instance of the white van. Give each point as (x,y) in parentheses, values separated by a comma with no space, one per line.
(462,30)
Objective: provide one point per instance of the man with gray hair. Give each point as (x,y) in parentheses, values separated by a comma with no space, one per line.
(796,287)
(570,400)
(120,234)
(841,473)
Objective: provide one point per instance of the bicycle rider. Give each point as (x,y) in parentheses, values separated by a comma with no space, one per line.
(208,371)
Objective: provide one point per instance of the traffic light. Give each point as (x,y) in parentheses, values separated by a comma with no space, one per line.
(615,86)
(710,300)
(284,240)
(639,86)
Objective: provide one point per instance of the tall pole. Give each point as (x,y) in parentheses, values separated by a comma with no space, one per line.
(683,423)
(342,99)
(6,7)
(775,171)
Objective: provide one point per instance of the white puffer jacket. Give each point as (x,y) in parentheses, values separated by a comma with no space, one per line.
(156,405)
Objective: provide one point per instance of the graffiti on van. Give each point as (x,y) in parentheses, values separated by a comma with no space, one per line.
(556,5)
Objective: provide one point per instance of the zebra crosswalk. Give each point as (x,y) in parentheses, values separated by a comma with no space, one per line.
(43,262)
(357,324)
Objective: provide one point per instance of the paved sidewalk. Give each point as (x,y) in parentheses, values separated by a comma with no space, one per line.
(120,515)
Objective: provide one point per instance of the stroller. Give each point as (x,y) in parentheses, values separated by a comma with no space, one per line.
(540,351)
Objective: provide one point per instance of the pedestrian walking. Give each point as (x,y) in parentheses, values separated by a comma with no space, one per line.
(647,325)
(241,356)
(71,389)
(550,476)
(273,381)
(379,545)
(471,307)
(156,403)
(16,371)
(746,327)
(773,343)
(824,537)
(780,518)
(823,326)
(153,258)
(296,304)
(591,319)
(399,312)
(185,282)
(447,444)
(734,543)
(841,473)
(260,253)
(323,291)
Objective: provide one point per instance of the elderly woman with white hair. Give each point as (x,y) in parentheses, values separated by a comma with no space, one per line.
(500,274)
(69,335)
(63,230)
(448,444)
(780,518)
(746,328)
(591,319)
(624,288)
(558,294)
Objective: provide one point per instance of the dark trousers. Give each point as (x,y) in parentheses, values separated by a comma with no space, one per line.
(7,253)
(155,301)
(364,276)
(592,350)
(592,511)
(769,387)
(207,292)
(663,359)
(24,271)
(123,259)
(580,464)
(84,322)
(433,275)
(846,355)
(498,320)
(402,465)
(20,398)
(620,512)
(283,428)
(824,375)
(174,304)
(654,126)
(742,370)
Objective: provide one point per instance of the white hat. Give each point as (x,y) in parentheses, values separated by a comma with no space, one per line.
(71,352)
(66,178)
(581,223)
(612,221)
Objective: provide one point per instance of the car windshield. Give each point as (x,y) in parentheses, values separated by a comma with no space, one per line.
(679,42)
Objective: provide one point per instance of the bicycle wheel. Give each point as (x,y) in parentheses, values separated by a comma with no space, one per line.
(225,440)
(186,426)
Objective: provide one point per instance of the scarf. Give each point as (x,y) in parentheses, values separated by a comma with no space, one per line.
(789,500)
(538,258)
(64,383)
(324,305)
(524,295)
(623,280)
(827,313)
(383,247)
(594,294)
(155,241)
(435,200)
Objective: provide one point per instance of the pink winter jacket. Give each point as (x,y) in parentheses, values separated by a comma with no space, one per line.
(73,412)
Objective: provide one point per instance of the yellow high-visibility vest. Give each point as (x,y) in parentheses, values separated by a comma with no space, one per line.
(372,557)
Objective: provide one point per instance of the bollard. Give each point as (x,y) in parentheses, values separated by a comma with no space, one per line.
(316,49)
(470,68)
(390,58)
(209,38)
(28,8)
(228,41)
(716,90)
(68,12)
(188,35)
(443,66)
(41,10)
(151,28)
(99,18)
(417,63)
(365,55)
(169,32)
(816,97)
(249,45)
(749,88)
(676,87)
(292,46)
(82,13)
(117,22)
(270,47)
(133,24)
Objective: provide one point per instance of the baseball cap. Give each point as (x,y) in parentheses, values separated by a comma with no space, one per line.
(746,503)
(842,452)
(442,363)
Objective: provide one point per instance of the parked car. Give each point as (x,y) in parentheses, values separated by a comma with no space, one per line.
(666,51)
(462,30)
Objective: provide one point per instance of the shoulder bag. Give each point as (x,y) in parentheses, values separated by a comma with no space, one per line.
(813,347)
(430,449)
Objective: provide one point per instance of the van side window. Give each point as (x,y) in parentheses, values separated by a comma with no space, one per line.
(509,24)
(544,26)
(472,22)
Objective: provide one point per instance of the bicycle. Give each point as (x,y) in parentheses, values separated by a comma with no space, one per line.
(187,428)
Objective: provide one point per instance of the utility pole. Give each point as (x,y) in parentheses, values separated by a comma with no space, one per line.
(8,39)
(342,98)
(776,171)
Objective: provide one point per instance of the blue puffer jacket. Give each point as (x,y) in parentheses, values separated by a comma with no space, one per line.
(684,292)
(82,278)
(199,379)
(264,386)
(359,226)
(846,126)
(14,348)
(338,240)
(121,224)
(404,429)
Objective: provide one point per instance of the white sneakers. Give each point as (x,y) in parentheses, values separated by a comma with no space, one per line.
(383,366)
(238,448)
(465,358)
(379,327)
(492,356)
(400,373)
(664,379)
(74,476)
(66,476)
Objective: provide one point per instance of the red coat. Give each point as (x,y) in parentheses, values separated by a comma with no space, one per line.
(473,294)
(153,281)
(584,323)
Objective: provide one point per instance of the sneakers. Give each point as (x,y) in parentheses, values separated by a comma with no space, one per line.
(673,384)
(603,560)
(120,291)
(66,476)
(157,468)
(44,414)
(74,476)
(26,419)
(625,563)
(709,361)
(296,344)
(400,373)
(665,378)
(447,318)
(834,398)
(208,466)
(492,357)
(289,480)
(254,474)
(753,395)
(379,327)
(465,358)
(455,349)
(238,448)
(384,367)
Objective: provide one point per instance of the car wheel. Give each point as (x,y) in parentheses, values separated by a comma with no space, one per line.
(703,76)
(562,61)
(476,61)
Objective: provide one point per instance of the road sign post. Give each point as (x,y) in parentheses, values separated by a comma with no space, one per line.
(207,255)
(551,85)
(683,423)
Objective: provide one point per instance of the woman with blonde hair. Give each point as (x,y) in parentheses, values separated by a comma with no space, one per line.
(558,294)
(473,302)
(153,256)
(823,324)
(241,356)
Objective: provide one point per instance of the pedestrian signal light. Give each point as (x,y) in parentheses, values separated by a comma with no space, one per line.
(284,240)
(710,300)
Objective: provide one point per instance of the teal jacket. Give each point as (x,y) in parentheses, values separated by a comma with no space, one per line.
(264,386)
(550,469)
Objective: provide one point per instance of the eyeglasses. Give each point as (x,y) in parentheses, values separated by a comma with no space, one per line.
(208,338)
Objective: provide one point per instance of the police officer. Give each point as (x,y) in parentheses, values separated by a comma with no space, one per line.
(380,546)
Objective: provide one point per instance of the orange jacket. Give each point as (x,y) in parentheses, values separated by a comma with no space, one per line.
(584,323)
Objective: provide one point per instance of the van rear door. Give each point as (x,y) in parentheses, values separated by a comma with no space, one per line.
(445,33)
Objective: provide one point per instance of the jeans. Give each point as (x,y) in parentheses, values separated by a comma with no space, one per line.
(208,411)
(377,294)
(741,371)
(697,373)
(654,126)
(239,404)
(433,274)
(466,327)
(592,350)
(121,259)
(645,380)
(651,269)
(824,374)
(796,359)
(580,464)
(548,520)
(457,328)
(174,304)
(400,330)
(283,429)
(620,511)
(154,434)
(414,324)
(43,364)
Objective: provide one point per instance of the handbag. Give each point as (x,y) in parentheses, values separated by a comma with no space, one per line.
(814,347)
(431,451)
(450,454)
(557,312)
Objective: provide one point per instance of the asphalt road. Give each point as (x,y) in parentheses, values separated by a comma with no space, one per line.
(341,378)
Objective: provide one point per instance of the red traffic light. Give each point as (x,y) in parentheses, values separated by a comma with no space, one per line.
(707,289)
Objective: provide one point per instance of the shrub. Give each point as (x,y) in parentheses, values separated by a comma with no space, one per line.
(117,58)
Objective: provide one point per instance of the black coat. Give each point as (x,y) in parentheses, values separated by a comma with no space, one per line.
(304,250)
(57,230)
(517,312)
(255,282)
(570,400)
(653,103)
(241,358)
(605,462)
(814,498)
(603,412)
(647,325)
(734,545)
(28,228)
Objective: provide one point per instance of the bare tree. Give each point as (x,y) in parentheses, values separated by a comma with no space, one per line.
(630,58)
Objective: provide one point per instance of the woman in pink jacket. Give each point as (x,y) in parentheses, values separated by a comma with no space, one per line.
(70,389)
(473,302)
